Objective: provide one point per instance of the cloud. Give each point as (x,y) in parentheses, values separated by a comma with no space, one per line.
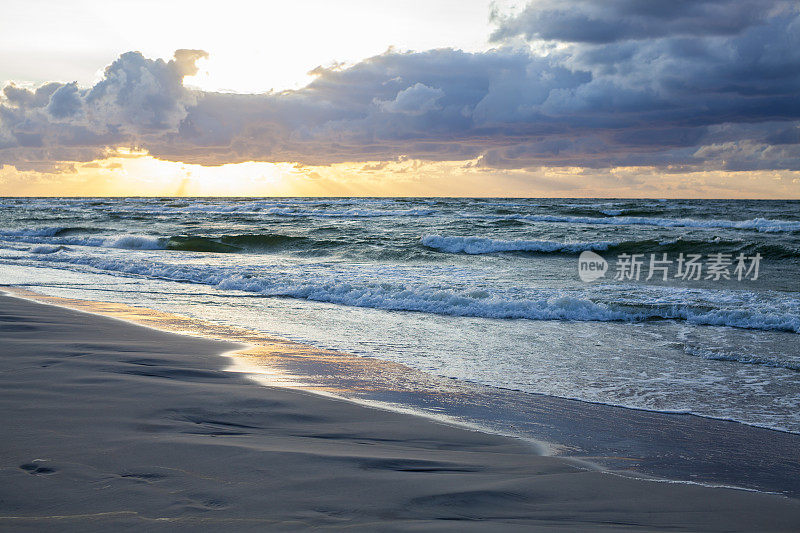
(593,21)
(65,102)
(415,100)
(140,96)
(138,101)
(703,85)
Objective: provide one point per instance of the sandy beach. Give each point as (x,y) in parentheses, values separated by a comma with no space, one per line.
(484,265)
(110,425)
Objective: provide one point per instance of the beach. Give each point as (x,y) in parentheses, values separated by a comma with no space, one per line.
(470,311)
(380,266)
(111,425)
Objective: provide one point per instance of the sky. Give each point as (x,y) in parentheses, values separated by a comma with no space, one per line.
(576,98)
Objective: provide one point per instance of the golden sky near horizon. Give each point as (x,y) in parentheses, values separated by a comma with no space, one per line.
(138,174)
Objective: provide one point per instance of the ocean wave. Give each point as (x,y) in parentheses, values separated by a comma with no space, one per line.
(741,356)
(48,231)
(246,242)
(347,213)
(46,249)
(716,245)
(134,242)
(616,209)
(763,225)
(482,245)
(550,304)
(471,245)
(54,237)
(272,210)
(128,242)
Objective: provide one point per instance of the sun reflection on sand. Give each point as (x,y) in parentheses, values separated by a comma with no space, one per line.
(273,361)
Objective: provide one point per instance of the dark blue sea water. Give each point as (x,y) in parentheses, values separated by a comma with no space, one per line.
(480,290)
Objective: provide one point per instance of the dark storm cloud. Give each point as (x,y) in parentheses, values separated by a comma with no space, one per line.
(677,85)
(605,21)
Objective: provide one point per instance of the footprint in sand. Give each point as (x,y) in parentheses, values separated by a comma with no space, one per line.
(37,470)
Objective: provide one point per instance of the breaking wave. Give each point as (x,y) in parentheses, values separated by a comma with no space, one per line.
(483,245)
(551,304)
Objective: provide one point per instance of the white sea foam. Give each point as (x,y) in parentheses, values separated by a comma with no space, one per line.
(47,231)
(481,245)
(278,210)
(134,242)
(718,308)
(44,238)
(346,213)
(740,356)
(46,249)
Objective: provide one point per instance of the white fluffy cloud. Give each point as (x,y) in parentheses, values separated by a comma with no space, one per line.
(415,100)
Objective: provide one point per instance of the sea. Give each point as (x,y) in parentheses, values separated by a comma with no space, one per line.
(693,306)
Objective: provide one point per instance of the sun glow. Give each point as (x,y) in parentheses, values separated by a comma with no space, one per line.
(127,172)
(273,47)
(132,173)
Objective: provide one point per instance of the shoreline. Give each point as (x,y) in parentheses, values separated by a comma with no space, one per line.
(653,445)
(139,317)
(261,372)
(114,425)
